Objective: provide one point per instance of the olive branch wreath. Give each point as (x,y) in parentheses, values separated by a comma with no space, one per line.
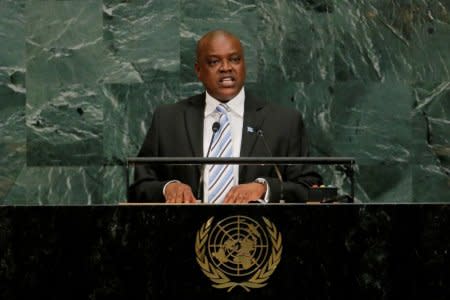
(258,280)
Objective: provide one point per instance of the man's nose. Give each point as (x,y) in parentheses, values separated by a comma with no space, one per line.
(225,66)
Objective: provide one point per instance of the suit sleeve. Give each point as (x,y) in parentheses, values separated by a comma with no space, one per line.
(146,186)
(297,179)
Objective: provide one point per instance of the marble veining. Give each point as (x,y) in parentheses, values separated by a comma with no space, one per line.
(79,82)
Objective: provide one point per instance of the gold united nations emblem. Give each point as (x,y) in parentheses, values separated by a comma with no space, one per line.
(238,251)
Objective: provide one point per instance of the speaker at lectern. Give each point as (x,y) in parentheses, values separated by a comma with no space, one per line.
(159,171)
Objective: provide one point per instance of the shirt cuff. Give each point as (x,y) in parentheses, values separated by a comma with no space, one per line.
(164,188)
(267,194)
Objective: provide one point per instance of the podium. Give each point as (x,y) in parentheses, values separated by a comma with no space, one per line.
(325,251)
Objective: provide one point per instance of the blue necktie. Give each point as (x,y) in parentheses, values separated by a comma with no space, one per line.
(220,179)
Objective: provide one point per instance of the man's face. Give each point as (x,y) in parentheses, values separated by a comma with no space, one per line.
(221,67)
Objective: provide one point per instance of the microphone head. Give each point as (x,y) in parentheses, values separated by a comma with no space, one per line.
(215,126)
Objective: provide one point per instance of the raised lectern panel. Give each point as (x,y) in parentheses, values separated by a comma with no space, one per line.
(292,251)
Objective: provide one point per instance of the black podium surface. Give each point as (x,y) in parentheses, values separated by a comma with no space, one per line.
(346,251)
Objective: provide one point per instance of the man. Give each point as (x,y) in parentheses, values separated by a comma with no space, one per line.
(222,122)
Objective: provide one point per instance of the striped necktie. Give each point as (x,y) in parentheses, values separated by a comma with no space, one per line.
(220,179)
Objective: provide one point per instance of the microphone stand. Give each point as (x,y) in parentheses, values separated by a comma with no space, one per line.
(277,169)
(215,128)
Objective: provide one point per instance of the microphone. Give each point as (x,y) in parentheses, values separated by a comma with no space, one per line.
(260,133)
(215,127)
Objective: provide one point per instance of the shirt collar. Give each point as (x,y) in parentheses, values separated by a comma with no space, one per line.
(236,104)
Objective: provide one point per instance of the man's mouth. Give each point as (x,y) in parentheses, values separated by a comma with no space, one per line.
(227,81)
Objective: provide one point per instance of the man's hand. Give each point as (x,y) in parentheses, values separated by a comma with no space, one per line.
(244,193)
(177,192)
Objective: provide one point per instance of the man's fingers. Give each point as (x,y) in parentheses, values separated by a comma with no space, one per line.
(178,192)
(241,194)
(231,195)
(236,195)
(188,197)
(179,196)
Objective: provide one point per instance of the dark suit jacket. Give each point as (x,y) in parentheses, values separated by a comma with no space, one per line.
(177,130)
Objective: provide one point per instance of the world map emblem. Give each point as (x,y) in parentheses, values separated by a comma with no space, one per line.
(238,251)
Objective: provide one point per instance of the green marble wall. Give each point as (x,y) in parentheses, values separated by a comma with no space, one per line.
(79,81)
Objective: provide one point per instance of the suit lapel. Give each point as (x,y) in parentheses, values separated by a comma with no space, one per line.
(194,115)
(254,115)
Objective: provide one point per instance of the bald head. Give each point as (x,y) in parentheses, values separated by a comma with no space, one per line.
(212,35)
